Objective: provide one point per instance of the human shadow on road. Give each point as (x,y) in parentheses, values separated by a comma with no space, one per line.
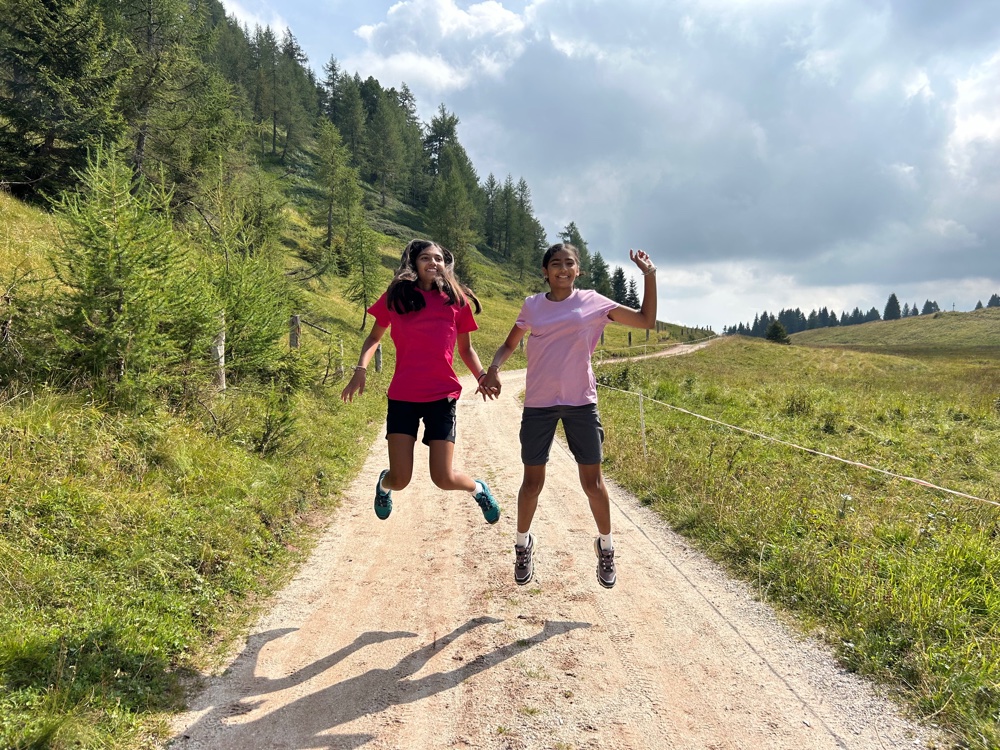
(304,722)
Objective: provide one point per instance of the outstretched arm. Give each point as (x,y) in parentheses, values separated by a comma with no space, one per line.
(357,382)
(645,316)
(471,359)
(492,380)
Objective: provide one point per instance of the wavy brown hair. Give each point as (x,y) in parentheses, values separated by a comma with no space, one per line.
(403,296)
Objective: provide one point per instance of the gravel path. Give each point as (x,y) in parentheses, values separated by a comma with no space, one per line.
(410,633)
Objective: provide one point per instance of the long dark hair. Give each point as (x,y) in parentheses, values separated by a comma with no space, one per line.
(403,296)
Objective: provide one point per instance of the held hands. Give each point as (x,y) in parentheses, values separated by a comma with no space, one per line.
(642,261)
(356,385)
(489,386)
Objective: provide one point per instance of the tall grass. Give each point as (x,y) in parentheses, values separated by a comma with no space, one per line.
(900,578)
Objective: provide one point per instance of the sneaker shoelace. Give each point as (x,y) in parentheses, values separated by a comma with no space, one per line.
(607,559)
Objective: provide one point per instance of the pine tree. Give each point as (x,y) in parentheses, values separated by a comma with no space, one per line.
(364,281)
(619,286)
(133,314)
(600,278)
(776,333)
(385,145)
(59,88)
(572,236)
(994,301)
(891,308)
(979,304)
(632,296)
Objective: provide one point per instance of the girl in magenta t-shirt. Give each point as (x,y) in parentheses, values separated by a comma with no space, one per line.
(565,325)
(427,312)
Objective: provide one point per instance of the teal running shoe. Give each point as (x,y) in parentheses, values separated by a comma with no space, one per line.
(383,498)
(487,503)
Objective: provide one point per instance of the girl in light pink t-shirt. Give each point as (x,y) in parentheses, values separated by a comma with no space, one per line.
(565,325)
(428,312)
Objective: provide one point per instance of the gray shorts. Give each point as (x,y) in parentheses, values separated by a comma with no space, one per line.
(582,425)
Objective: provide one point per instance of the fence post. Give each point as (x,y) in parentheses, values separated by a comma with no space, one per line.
(630,339)
(294,331)
(642,425)
(219,355)
(378,358)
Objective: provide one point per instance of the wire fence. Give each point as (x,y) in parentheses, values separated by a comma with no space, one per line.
(914,480)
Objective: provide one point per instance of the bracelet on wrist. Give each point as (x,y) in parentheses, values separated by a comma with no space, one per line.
(494,367)
(359,367)
(648,271)
(481,376)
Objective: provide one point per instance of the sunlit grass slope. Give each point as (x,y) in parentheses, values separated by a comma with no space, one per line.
(900,578)
(935,334)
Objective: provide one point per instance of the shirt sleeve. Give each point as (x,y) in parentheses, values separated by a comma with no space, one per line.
(380,311)
(602,305)
(523,318)
(466,321)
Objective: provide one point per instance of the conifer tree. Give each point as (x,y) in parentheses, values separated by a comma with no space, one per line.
(59,87)
(572,236)
(619,286)
(994,300)
(133,314)
(600,278)
(776,333)
(364,281)
(892,311)
(632,296)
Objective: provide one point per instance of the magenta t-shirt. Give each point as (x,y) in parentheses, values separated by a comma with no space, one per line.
(563,338)
(425,346)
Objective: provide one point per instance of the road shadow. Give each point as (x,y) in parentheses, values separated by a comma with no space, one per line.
(306,721)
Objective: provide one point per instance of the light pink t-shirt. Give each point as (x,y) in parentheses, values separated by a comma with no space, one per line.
(563,338)
(425,346)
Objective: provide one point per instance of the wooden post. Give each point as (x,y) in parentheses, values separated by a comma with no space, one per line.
(630,339)
(378,358)
(219,355)
(294,331)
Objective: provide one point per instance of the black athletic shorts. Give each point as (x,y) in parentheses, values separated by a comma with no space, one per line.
(582,425)
(403,417)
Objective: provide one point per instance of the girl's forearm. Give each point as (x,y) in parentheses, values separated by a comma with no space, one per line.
(648,307)
(501,356)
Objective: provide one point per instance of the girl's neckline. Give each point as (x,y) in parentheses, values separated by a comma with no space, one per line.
(550,299)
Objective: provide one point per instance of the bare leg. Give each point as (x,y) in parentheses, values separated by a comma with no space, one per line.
(400,461)
(597,492)
(443,474)
(527,496)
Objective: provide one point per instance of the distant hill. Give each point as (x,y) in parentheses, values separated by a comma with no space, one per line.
(942,331)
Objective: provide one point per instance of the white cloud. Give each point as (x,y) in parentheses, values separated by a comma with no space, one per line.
(259,14)
(773,153)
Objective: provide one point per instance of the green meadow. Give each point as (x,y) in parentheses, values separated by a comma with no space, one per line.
(136,547)
(901,579)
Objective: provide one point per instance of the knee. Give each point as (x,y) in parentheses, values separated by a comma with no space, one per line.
(532,487)
(593,486)
(443,479)
(399,481)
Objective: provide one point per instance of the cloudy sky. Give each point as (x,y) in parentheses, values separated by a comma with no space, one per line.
(766,153)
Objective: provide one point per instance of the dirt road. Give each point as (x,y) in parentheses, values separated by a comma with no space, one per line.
(410,633)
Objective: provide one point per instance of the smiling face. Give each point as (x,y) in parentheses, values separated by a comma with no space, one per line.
(562,269)
(430,264)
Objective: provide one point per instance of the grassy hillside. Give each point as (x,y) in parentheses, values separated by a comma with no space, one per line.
(898,577)
(133,549)
(935,334)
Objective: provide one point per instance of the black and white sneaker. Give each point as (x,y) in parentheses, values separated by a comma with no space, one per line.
(524,568)
(606,573)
